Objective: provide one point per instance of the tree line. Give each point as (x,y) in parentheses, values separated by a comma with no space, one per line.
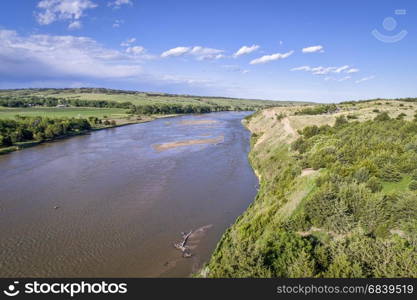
(53,102)
(146,109)
(25,129)
(318,110)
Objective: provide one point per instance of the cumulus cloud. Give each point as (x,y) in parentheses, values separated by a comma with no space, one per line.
(119,3)
(128,42)
(320,70)
(43,56)
(352,70)
(302,68)
(365,79)
(235,68)
(313,49)
(245,50)
(75,25)
(51,60)
(117,23)
(344,78)
(338,79)
(51,11)
(268,58)
(136,50)
(199,52)
(178,51)
(206,53)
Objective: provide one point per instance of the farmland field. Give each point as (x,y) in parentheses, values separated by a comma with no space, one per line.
(68,112)
(138,98)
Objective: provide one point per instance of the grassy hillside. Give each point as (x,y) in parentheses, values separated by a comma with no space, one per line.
(70,112)
(337,195)
(139,98)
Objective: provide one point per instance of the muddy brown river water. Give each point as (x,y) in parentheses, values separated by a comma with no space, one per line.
(109,204)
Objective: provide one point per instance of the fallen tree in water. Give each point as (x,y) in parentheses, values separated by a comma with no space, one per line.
(182,246)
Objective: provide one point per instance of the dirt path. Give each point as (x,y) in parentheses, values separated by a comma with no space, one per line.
(308,171)
(288,128)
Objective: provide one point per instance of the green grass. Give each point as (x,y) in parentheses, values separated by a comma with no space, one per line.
(138,98)
(68,112)
(402,185)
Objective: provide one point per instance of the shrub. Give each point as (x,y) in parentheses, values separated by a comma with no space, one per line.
(382,117)
(317,110)
(374,185)
(5,141)
(341,120)
(280,116)
(352,117)
(401,116)
(413,185)
(390,173)
(361,175)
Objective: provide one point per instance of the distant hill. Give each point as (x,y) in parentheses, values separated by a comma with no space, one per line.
(142,98)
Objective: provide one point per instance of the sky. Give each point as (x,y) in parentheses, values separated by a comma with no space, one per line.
(323,50)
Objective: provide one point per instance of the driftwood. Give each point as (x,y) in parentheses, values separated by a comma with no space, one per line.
(182,246)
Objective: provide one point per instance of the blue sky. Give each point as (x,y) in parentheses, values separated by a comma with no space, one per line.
(268,49)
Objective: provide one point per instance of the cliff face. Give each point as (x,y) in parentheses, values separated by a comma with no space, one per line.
(311,215)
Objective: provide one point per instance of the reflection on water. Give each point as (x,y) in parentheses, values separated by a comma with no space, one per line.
(109,204)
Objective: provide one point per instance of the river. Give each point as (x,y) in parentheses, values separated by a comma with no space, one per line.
(113,202)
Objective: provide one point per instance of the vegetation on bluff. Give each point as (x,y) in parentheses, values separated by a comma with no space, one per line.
(353,215)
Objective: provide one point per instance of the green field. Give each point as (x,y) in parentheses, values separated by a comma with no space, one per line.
(67,112)
(139,98)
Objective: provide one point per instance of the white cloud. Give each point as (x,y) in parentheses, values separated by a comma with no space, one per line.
(57,57)
(344,78)
(313,49)
(341,69)
(326,70)
(136,50)
(365,79)
(272,57)
(128,42)
(322,70)
(245,50)
(178,51)
(66,10)
(117,23)
(75,25)
(200,53)
(302,68)
(338,79)
(49,60)
(119,3)
(352,70)
(235,68)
